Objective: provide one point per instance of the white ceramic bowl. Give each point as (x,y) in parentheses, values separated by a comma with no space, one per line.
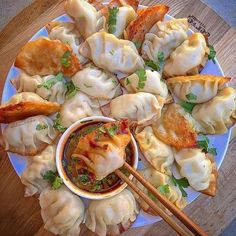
(60,153)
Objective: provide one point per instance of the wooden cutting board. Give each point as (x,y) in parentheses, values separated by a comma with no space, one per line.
(21,216)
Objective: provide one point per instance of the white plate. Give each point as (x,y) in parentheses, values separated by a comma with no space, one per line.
(219,141)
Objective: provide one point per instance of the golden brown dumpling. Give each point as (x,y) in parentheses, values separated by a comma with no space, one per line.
(26,104)
(47,57)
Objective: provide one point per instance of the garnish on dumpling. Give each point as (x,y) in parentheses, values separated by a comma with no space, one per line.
(103,150)
(47,57)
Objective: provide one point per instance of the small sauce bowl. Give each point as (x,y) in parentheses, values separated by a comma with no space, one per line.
(60,153)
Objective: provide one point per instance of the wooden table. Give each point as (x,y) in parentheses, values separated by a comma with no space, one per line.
(21,216)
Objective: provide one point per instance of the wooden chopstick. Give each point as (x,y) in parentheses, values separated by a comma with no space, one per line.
(193,227)
(153,205)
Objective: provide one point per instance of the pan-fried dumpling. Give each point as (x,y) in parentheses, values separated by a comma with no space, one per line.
(153,84)
(164,36)
(112,54)
(97,83)
(26,104)
(67,33)
(30,136)
(199,170)
(124,16)
(78,107)
(158,180)
(47,57)
(103,150)
(218,114)
(196,88)
(38,165)
(50,87)
(188,58)
(112,216)
(176,127)
(62,211)
(143,108)
(158,154)
(87,19)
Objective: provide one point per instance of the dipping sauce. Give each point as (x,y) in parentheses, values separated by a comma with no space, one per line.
(78,172)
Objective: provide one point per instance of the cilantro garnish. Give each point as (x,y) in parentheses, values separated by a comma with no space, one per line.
(50,82)
(188,107)
(204,145)
(53,179)
(41,126)
(151,196)
(84,179)
(160,57)
(156,65)
(112,19)
(65,60)
(127,81)
(137,44)
(112,130)
(164,189)
(71,89)
(112,52)
(141,73)
(191,96)
(57,125)
(212,54)
(181,184)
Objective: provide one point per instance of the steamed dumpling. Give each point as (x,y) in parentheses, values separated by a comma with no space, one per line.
(218,114)
(143,108)
(78,107)
(188,58)
(62,211)
(30,136)
(112,54)
(157,179)
(124,16)
(197,168)
(67,33)
(38,165)
(48,87)
(102,152)
(158,154)
(87,19)
(112,216)
(164,36)
(196,88)
(97,83)
(153,84)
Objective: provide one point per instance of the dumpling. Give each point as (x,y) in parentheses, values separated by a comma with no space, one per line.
(97,83)
(112,216)
(176,127)
(67,33)
(196,88)
(124,16)
(158,154)
(198,168)
(153,84)
(38,165)
(146,18)
(218,114)
(78,107)
(30,136)
(50,87)
(26,104)
(157,179)
(164,36)
(87,19)
(143,108)
(103,150)
(188,58)
(62,211)
(112,54)
(47,57)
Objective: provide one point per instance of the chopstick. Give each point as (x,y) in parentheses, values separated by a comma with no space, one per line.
(193,227)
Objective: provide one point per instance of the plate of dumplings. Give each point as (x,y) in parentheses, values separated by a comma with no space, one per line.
(127,62)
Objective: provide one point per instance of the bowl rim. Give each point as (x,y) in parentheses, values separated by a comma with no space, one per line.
(60,169)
